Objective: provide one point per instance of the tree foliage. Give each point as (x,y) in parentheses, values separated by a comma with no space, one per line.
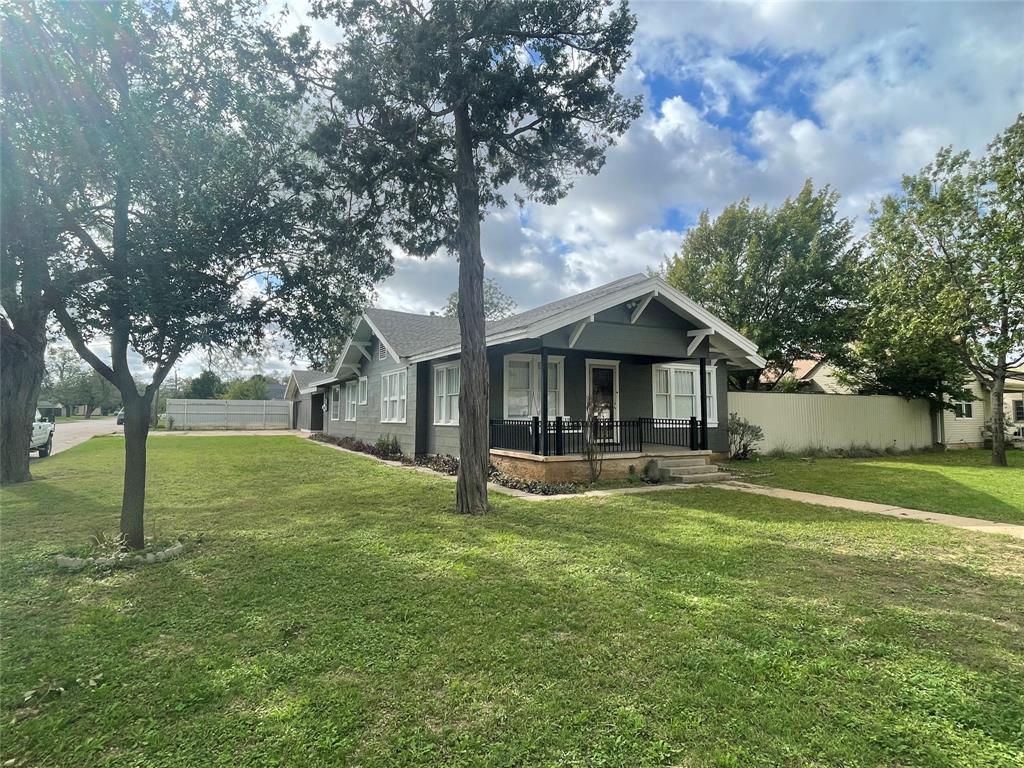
(250,388)
(162,138)
(206,386)
(788,278)
(497,304)
(950,252)
(438,111)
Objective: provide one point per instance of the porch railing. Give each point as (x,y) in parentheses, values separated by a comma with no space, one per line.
(572,436)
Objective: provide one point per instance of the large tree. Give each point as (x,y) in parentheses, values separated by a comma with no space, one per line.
(952,246)
(788,278)
(438,110)
(183,196)
(497,303)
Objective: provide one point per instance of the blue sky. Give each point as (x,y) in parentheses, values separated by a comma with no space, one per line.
(748,99)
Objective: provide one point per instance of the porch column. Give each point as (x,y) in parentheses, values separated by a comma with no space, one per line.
(544,401)
(703,404)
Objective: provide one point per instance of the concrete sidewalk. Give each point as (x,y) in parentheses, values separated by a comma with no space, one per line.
(951,521)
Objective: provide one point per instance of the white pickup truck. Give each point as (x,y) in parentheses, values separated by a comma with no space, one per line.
(42,436)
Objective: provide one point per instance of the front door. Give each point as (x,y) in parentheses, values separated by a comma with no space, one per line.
(603,396)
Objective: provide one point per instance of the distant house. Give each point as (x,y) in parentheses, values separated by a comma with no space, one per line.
(635,362)
(967,425)
(276,390)
(49,410)
(308,401)
(812,376)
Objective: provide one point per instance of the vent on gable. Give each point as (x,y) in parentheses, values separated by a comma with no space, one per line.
(382,351)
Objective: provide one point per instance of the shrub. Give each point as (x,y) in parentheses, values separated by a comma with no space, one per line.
(531,486)
(445,464)
(743,437)
(388,447)
(384,448)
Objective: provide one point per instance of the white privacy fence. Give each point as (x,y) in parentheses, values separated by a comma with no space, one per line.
(229,414)
(794,422)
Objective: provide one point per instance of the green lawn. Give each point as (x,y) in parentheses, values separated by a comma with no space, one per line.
(331,611)
(954,482)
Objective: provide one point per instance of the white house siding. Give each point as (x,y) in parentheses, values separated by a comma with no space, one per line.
(797,422)
(966,432)
(367,426)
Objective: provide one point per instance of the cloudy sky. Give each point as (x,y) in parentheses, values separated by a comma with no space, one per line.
(749,99)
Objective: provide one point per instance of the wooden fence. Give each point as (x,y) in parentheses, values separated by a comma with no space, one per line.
(229,414)
(798,422)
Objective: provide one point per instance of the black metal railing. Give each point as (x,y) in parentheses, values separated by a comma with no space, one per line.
(567,437)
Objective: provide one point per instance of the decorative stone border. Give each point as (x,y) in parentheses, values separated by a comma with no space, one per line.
(120,558)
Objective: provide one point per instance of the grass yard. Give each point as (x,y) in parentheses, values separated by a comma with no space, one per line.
(331,611)
(955,482)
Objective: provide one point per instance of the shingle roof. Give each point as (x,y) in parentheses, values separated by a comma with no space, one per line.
(411,334)
(304,378)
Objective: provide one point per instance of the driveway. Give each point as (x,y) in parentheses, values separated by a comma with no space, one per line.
(71,433)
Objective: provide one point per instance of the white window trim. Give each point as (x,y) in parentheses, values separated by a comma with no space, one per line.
(712,392)
(534,383)
(335,412)
(443,368)
(1013,410)
(363,386)
(351,400)
(403,400)
(963,409)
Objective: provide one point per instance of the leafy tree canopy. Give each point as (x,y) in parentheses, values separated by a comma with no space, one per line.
(788,278)
(497,304)
(950,254)
(206,386)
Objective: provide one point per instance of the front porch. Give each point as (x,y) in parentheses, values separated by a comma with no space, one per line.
(569,437)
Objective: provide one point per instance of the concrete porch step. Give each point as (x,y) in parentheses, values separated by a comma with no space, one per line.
(706,477)
(691,469)
(683,461)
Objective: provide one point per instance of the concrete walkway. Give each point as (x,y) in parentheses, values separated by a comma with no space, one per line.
(836,502)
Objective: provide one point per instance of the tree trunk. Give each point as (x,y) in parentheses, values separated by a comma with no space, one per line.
(998,418)
(21,374)
(474,448)
(133,499)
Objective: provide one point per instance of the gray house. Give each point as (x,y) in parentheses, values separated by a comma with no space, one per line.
(635,364)
(307,400)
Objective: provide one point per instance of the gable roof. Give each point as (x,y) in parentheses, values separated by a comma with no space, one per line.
(301,380)
(412,337)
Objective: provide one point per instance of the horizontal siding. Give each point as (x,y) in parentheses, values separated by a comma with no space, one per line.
(967,432)
(795,422)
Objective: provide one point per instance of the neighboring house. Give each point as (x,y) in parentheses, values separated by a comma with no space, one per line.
(813,376)
(966,426)
(276,390)
(629,353)
(309,403)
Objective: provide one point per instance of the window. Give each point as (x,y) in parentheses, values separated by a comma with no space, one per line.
(382,350)
(392,397)
(677,392)
(1018,410)
(361,392)
(350,400)
(522,386)
(963,410)
(446,393)
(335,403)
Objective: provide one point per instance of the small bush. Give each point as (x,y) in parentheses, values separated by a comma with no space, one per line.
(531,486)
(445,464)
(388,447)
(384,448)
(743,437)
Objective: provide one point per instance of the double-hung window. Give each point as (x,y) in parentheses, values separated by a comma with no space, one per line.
(335,403)
(677,392)
(1018,410)
(446,393)
(963,410)
(392,397)
(361,390)
(523,384)
(351,391)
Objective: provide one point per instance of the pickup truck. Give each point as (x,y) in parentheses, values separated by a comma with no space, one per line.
(42,436)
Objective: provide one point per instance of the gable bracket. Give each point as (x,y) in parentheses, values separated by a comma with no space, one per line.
(362,348)
(696,337)
(578,330)
(639,310)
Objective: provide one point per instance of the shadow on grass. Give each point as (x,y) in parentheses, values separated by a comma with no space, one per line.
(351,620)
